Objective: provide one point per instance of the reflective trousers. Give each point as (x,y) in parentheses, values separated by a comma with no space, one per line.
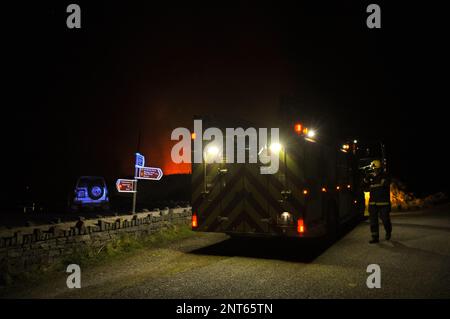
(381,211)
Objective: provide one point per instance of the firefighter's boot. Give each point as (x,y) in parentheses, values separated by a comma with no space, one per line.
(388,235)
(374,240)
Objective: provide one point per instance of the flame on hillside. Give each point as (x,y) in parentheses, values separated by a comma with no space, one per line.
(401,199)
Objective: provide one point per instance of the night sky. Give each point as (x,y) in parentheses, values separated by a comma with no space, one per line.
(80,97)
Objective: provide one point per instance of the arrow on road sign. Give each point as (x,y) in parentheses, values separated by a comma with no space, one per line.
(126,185)
(151,173)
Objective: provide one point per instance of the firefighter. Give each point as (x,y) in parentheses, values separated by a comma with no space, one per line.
(380,202)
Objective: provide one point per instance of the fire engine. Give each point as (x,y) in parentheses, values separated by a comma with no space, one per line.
(315,190)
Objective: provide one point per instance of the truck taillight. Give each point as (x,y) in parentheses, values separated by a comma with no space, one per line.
(300,226)
(194,221)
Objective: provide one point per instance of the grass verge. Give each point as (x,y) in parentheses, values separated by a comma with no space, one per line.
(120,248)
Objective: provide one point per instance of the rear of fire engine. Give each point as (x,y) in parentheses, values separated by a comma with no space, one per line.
(314,191)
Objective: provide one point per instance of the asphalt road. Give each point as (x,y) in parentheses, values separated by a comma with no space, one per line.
(414,264)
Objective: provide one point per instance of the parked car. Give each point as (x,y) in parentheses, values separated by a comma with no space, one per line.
(90,193)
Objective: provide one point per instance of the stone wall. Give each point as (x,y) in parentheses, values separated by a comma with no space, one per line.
(28,248)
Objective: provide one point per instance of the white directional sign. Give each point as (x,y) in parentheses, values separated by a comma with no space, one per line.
(126,185)
(151,173)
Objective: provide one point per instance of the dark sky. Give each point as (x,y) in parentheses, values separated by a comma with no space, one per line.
(80,97)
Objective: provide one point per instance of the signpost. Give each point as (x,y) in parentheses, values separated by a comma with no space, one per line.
(138,163)
(140,172)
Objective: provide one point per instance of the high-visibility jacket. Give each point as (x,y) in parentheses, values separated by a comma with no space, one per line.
(379,187)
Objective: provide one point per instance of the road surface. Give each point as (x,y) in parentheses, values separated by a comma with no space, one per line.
(414,264)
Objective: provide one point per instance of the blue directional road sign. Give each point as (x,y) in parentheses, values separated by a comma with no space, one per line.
(140,160)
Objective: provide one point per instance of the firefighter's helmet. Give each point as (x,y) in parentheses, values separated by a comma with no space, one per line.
(376,164)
